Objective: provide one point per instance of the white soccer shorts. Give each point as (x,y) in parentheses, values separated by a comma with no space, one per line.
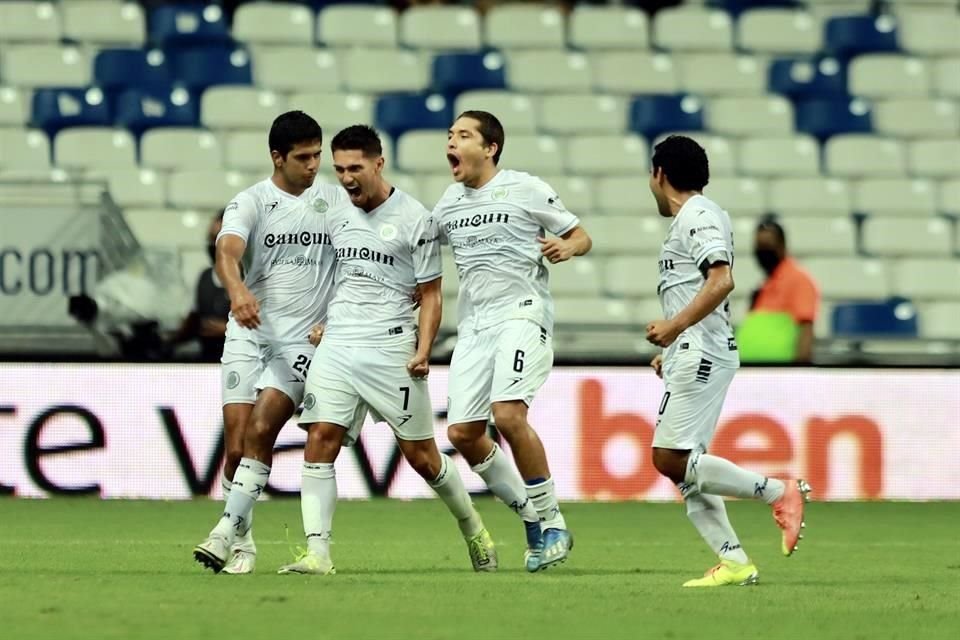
(509,361)
(247,367)
(346,381)
(695,390)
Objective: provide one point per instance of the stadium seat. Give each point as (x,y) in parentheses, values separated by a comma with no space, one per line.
(56,109)
(744,233)
(897,197)
(826,9)
(768,115)
(802,78)
(690,28)
(141,110)
(890,237)
(824,197)
(893,318)
(440,28)
(654,115)
(177,148)
(345,25)
(722,74)
(576,193)
(433,186)
(740,196)
(738,8)
(746,273)
(398,113)
(917,117)
(617,195)
(187,25)
(131,187)
(28,21)
(634,73)
(85,148)
(42,65)
(863,156)
(534,154)
(384,71)
(334,111)
(721,151)
(583,113)
(451,279)
(927,279)
(548,71)
(848,36)
(949,197)
(641,233)
(240,108)
(776,156)
(14,106)
(274,23)
(819,236)
(937,158)
(514,26)
(573,310)
(632,277)
(779,31)
(104,22)
(579,277)
(884,75)
(607,155)
(608,27)
(825,117)
(407,183)
(939,320)
(928,31)
(205,189)
(248,152)
(946,80)
(423,152)
(292,69)
(457,72)
(24,149)
(119,69)
(167,227)
(514,110)
(849,278)
(203,67)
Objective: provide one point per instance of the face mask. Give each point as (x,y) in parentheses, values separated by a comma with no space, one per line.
(212,252)
(768,259)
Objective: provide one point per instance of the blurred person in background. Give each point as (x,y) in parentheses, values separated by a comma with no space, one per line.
(779,326)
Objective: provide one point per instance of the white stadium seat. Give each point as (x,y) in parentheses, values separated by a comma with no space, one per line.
(864,156)
(248,151)
(533,154)
(593,27)
(632,277)
(335,111)
(542,71)
(41,65)
(14,106)
(747,275)
(28,21)
(275,23)
(168,227)
(451,280)
(423,152)
(880,75)
(794,197)
(896,197)
(24,150)
(296,69)
(575,192)
(907,237)
(617,195)
(572,310)
(739,196)
(768,115)
(234,107)
(722,74)
(917,117)
(433,186)
(606,155)
(946,80)
(779,31)
(934,158)
(689,28)
(135,188)
(797,156)
(579,277)
(641,233)
(108,22)
(94,148)
(357,26)
(514,110)
(929,32)
(949,197)
(384,70)
(927,279)
(634,73)
(205,189)
(572,113)
(849,278)
(514,26)
(939,320)
(720,150)
(179,148)
(440,28)
(405,182)
(820,236)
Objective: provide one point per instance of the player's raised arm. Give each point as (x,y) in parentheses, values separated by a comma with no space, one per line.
(238,221)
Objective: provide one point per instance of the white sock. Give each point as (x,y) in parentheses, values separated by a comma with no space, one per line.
(318,501)
(719,477)
(708,514)
(244,541)
(505,483)
(449,486)
(544,500)
(248,483)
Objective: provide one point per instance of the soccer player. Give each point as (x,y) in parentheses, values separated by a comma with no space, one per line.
(495,222)
(698,362)
(373,356)
(276,229)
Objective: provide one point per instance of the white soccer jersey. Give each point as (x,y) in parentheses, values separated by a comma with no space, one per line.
(288,260)
(700,229)
(493,232)
(381,257)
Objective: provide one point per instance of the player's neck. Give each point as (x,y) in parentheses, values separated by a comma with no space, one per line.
(488,174)
(677,199)
(280,183)
(383,192)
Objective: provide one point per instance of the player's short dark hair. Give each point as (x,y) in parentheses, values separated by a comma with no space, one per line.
(490,129)
(358,136)
(771,224)
(293,128)
(683,161)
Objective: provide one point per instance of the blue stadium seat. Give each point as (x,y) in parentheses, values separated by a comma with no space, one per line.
(736,7)
(202,67)
(120,69)
(56,109)
(802,78)
(141,110)
(849,36)
(652,115)
(823,118)
(187,25)
(893,318)
(457,72)
(398,113)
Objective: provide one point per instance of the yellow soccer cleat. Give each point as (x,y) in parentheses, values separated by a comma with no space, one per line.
(483,553)
(727,574)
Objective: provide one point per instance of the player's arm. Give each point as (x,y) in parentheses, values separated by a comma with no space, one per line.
(548,209)
(238,220)
(575,242)
(431,310)
(718,284)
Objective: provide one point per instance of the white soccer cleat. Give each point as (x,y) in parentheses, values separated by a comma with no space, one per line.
(242,562)
(309,564)
(213,552)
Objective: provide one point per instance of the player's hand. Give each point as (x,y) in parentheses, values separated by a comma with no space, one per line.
(662,333)
(657,364)
(316,334)
(245,309)
(213,327)
(555,249)
(419,365)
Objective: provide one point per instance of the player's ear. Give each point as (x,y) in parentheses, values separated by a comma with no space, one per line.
(380,163)
(492,148)
(277,159)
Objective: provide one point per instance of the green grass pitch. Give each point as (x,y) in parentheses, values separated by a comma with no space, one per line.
(93,569)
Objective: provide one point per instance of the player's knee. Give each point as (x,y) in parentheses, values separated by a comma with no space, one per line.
(672,464)
(423,463)
(510,417)
(462,435)
(234,451)
(324,441)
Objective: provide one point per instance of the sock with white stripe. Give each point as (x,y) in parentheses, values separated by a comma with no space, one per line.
(318,501)
(505,483)
(544,498)
(720,477)
(708,514)
(248,483)
(449,486)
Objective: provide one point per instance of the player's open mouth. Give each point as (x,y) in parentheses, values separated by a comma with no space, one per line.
(454,162)
(354,190)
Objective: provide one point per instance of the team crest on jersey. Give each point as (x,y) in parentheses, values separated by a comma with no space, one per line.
(309,401)
(320,205)
(233,380)
(388,232)
(500,193)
